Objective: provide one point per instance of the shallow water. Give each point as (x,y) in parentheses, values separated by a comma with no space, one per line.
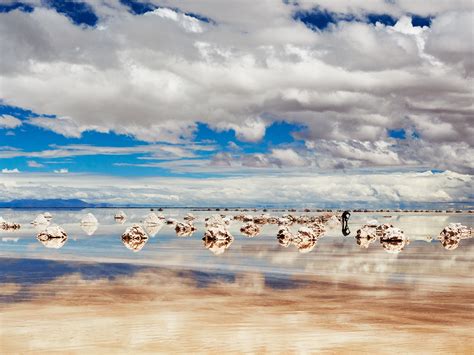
(95,295)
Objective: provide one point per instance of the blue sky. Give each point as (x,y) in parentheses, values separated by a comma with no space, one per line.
(136,90)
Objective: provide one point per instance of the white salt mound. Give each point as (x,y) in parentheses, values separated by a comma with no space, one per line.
(89,219)
(52,237)
(152,218)
(40,220)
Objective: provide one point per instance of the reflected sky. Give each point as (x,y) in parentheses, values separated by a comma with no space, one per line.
(238,294)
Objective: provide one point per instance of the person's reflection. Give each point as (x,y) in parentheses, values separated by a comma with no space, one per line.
(134,238)
(52,237)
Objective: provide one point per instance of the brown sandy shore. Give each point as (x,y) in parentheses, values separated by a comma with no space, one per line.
(161,310)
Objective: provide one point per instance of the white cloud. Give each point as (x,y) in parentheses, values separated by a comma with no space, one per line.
(61,171)
(9,122)
(10,171)
(347,84)
(34,164)
(288,157)
(153,151)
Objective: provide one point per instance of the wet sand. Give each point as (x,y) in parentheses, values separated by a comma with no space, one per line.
(157,309)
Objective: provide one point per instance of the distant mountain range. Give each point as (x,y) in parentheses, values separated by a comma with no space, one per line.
(50,203)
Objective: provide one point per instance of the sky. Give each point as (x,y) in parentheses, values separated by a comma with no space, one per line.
(195,103)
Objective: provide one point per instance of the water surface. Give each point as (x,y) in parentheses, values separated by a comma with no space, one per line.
(95,295)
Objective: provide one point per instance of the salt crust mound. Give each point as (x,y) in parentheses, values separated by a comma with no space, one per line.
(134,238)
(53,237)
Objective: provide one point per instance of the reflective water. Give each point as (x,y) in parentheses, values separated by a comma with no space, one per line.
(249,294)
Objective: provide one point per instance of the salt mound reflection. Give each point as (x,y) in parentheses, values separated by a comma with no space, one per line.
(305,240)
(250,229)
(366,235)
(217,238)
(89,229)
(134,238)
(217,245)
(307,237)
(451,235)
(120,217)
(52,237)
(89,219)
(8,226)
(153,223)
(393,239)
(184,229)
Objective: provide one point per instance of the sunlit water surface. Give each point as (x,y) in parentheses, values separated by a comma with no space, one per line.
(95,295)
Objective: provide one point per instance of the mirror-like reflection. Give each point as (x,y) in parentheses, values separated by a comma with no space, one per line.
(393,239)
(184,229)
(153,223)
(52,237)
(120,217)
(451,235)
(366,235)
(217,237)
(134,238)
(8,226)
(321,294)
(89,219)
(89,229)
(250,229)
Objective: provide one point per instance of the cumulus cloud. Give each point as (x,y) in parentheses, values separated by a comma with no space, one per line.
(9,122)
(61,171)
(10,171)
(34,164)
(155,76)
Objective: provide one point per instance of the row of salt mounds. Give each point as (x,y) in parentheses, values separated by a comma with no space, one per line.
(392,239)
(153,223)
(134,238)
(217,237)
(89,224)
(306,238)
(52,237)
